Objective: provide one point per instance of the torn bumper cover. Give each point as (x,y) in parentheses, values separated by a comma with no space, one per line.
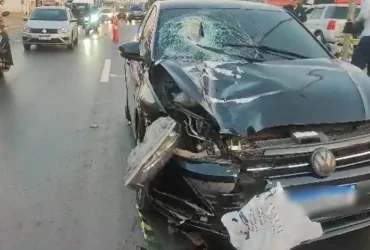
(192,194)
(148,158)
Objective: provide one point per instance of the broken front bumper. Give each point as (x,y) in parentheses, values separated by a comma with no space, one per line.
(216,189)
(193,194)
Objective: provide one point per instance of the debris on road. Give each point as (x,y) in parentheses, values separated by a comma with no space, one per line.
(94,126)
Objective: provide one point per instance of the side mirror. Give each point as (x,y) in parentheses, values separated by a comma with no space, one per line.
(130,51)
(334,49)
(73,20)
(5,13)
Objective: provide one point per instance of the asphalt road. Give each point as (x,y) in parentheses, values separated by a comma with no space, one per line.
(60,175)
(60,180)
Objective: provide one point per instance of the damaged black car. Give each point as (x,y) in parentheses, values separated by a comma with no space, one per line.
(227,98)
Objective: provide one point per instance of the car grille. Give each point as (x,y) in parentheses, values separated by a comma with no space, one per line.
(48,31)
(295,161)
(284,160)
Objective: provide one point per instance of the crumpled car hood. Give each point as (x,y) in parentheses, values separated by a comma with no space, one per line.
(246,97)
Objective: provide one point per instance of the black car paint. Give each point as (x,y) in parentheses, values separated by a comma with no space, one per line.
(322,90)
(333,88)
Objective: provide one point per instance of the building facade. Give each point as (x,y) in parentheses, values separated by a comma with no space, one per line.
(27,6)
(14,5)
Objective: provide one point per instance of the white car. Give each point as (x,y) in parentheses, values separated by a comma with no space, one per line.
(50,25)
(326,21)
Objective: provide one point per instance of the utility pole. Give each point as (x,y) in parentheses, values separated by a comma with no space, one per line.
(348,37)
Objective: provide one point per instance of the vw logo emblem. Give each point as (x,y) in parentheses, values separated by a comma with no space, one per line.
(44,31)
(323,162)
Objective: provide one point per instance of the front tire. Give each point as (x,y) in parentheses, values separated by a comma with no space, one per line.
(143,200)
(127,114)
(27,47)
(320,37)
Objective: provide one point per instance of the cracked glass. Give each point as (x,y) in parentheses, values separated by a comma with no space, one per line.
(181,31)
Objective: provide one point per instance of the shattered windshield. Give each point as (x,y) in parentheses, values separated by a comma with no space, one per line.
(181,31)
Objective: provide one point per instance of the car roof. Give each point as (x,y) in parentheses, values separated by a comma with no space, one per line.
(217,4)
(330,4)
(52,7)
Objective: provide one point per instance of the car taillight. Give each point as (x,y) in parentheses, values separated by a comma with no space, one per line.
(331,25)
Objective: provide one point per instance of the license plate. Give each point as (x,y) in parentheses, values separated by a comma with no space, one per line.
(326,199)
(44,38)
(321,193)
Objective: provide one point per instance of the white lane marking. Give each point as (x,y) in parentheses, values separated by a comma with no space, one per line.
(106,71)
(114,75)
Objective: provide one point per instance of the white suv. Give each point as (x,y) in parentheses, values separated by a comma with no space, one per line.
(326,21)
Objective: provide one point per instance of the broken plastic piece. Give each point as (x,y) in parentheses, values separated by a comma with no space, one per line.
(150,156)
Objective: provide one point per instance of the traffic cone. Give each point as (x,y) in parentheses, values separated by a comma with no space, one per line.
(115,36)
(115,30)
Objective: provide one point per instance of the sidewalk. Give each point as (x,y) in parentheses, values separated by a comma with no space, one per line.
(14,21)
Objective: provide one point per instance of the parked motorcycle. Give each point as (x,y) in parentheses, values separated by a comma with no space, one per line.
(4,48)
(91,22)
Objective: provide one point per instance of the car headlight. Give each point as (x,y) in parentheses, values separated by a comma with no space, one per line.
(150,156)
(26,29)
(94,18)
(63,30)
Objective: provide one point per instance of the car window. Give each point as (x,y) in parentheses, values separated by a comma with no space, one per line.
(106,10)
(181,31)
(136,8)
(339,12)
(309,12)
(146,36)
(141,27)
(317,13)
(49,15)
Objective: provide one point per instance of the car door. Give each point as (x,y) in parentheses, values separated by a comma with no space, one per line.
(138,68)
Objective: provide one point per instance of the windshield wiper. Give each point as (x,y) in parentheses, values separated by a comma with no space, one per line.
(267,49)
(221,51)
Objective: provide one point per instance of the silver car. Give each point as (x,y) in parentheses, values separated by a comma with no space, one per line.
(326,21)
(50,25)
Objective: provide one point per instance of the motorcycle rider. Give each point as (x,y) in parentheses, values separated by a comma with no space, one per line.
(75,11)
(86,13)
(8,53)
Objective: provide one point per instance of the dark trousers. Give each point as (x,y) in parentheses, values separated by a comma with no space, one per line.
(361,55)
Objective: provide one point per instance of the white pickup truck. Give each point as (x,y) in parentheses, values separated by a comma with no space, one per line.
(326,21)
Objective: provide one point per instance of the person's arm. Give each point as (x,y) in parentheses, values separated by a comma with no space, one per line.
(303,15)
(364,12)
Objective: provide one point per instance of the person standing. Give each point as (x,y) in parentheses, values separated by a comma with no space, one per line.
(361,54)
(297,10)
(2,19)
